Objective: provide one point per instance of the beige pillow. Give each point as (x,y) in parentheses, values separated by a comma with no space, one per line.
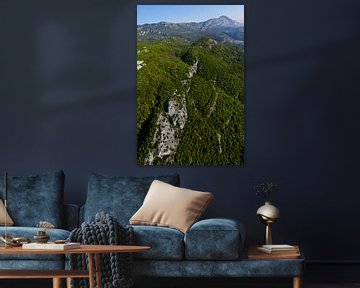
(170,206)
(9,221)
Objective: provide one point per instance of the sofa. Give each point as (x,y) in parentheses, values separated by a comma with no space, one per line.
(32,199)
(209,248)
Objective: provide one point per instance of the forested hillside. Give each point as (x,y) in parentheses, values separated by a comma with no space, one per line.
(190,101)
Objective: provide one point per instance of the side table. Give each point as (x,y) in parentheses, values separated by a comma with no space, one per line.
(289,261)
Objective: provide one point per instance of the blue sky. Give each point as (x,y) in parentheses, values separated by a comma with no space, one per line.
(187,13)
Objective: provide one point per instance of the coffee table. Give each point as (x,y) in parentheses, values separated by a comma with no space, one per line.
(94,267)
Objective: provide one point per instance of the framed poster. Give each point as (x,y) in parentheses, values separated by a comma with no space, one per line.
(190,84)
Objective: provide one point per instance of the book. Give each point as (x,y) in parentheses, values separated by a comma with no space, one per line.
(255,254)
(51,246)
(278,249)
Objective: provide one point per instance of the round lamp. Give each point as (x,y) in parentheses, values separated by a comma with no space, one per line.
(268,214)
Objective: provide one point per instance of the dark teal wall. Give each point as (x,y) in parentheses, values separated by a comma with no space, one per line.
(68,101)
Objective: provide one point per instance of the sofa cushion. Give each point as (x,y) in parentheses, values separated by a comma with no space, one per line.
(119,196)
(170,206)
(29,232)
(165,243)
(35,198)
(214,239)
(9,221)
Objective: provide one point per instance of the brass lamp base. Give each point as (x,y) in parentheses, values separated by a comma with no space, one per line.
(268,238)
(268,214)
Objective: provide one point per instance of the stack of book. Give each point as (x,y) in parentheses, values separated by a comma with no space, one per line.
(282,251)
(279,249)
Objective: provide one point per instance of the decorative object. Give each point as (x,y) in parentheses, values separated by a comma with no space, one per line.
(41,236)
(60,241)
(265,189)
(45,225)
(268,213)
(170,206)
(11,241)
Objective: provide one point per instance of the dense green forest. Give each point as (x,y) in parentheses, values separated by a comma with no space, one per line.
(190,102)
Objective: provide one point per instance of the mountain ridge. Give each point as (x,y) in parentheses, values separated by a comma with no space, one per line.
(221,29)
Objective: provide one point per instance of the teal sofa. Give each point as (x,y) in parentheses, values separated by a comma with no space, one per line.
(210,248)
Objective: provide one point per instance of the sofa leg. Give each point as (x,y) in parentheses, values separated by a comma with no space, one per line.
(297,282)
(57,283)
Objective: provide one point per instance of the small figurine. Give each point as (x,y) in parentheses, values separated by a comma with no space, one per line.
(41,236)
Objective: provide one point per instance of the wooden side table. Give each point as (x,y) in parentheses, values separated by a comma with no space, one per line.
(93,251)
(254,254)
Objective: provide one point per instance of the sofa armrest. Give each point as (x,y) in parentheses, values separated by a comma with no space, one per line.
(71,216)
(215,239)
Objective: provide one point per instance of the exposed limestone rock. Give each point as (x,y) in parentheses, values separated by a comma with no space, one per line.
(192,70)
(213,105)
(219,141)
(144,50)
(164,141)
(177,112)
(168,128)
(140,64)
(170,123)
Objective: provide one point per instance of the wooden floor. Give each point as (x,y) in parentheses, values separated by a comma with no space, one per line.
(255,284)
(45,283)
(339,285)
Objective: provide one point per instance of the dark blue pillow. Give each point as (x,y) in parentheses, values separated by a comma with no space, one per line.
(120,196)
(35,198)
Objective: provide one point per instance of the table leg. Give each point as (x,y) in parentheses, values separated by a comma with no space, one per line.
(297,282)
(68,282)
(91,270)
(98,270)
(57,283)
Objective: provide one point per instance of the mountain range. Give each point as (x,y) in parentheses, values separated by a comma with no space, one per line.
(221,29)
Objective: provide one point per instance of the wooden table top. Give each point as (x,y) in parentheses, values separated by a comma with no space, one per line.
(91,249)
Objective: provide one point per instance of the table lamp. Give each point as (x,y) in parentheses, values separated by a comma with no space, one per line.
(268,214)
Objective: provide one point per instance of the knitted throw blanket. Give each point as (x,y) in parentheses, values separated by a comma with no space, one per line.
(116,268)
